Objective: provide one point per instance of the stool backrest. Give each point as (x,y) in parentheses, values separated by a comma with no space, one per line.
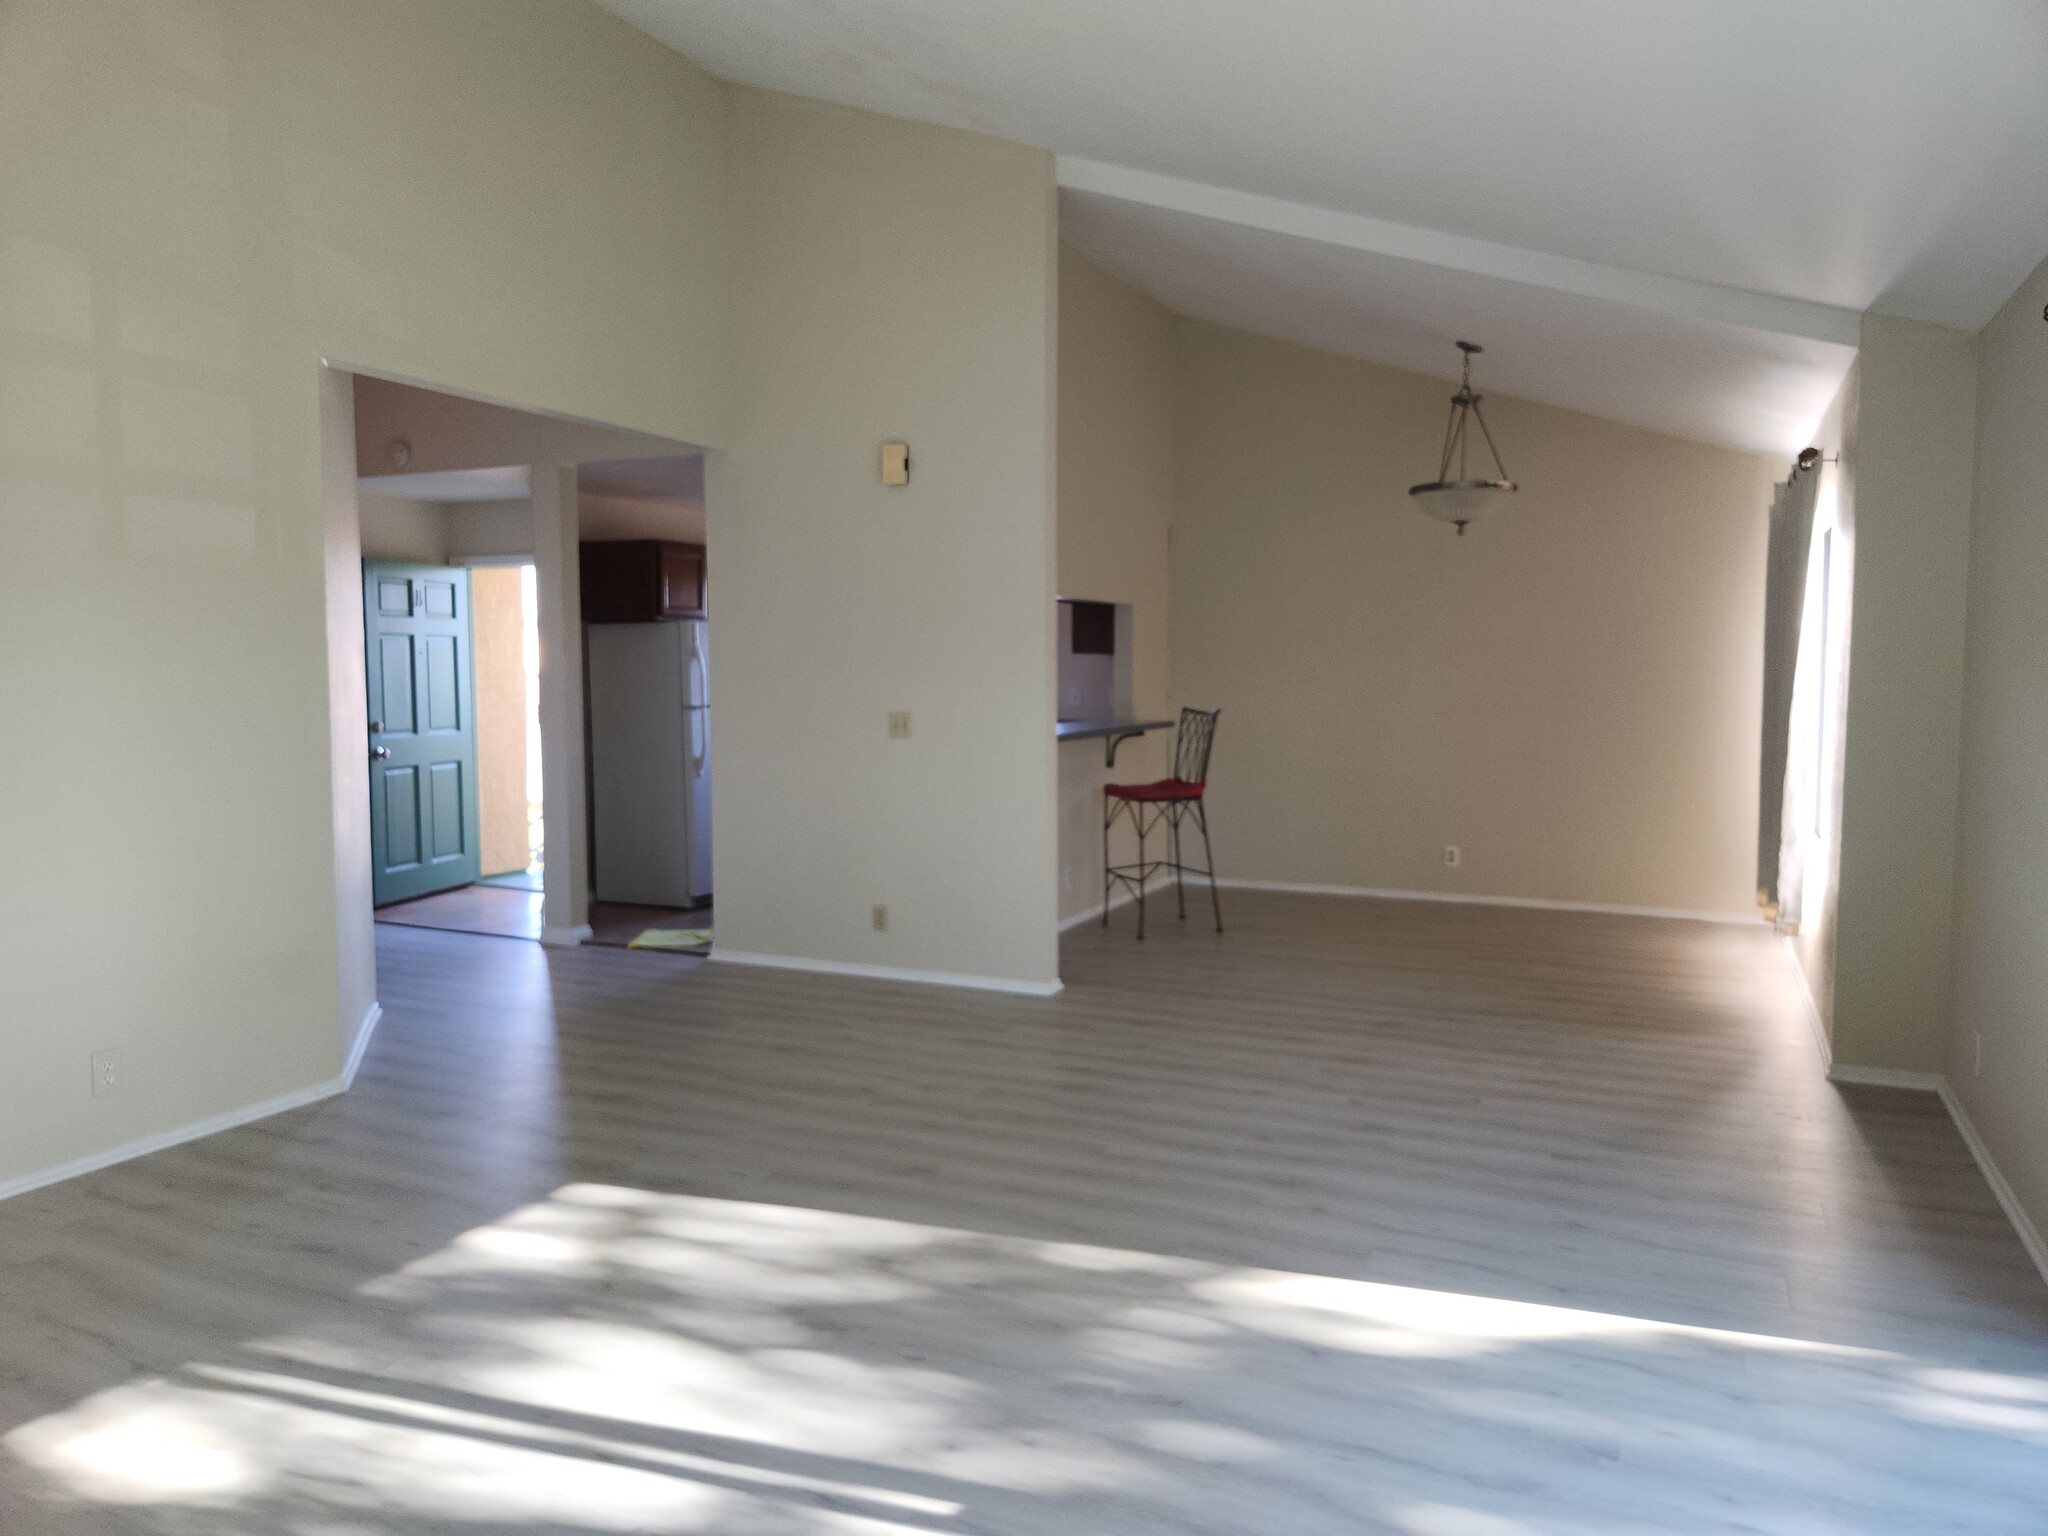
(1191,749)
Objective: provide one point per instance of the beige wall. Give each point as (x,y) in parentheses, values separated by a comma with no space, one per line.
(622,517)
(1115,516)
(193,215)
(399,528)
(1571,695)
(2001,986)
(1911,460)
(891,280)
(489,530)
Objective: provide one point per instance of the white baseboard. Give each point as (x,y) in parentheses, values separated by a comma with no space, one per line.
(565,938)
(2022,1223)
(1885,1077)
(1934,1082)
(372,1017)
(1814,1021)
(1123,898)
(1461,898)
(887,972)
(163,1140)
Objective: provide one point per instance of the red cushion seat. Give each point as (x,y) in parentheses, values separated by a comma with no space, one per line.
(1158,789)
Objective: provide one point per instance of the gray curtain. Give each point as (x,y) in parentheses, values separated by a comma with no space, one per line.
(1784,599)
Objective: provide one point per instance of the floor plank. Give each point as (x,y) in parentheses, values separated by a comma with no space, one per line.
(1363,1217)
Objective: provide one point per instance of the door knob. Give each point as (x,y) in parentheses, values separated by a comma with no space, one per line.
(376,727)
(379,753)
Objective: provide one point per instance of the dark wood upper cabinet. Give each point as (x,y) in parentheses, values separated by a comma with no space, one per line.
(642,581)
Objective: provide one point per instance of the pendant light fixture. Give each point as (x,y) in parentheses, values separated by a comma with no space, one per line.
(1461,500)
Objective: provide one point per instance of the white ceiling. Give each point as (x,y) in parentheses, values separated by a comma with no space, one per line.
(1855,153)
(1736,385)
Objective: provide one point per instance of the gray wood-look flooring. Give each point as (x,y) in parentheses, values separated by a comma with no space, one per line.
(1366,1217)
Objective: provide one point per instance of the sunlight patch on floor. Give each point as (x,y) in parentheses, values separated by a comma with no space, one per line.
(611,1359)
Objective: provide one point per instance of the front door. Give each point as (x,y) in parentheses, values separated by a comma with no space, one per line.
(423,809)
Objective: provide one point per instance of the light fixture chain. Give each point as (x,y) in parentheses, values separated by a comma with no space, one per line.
(1499,468)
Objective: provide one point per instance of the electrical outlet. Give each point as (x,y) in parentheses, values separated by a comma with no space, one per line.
(1067,878)
(106,1072)
(1452,858)
(881,918)
(899,724)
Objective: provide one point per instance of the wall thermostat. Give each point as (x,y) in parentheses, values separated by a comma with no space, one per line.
(895,463)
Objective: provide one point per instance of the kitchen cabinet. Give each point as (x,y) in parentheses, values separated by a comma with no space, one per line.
(642,581)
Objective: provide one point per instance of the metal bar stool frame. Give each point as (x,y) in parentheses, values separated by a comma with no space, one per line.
(1172,801)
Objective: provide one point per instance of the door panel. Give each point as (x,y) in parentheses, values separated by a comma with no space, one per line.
(444,783)
(401,820)
(423,810)
(394,672)
(439,676)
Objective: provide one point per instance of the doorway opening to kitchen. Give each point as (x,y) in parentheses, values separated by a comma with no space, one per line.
(536,684)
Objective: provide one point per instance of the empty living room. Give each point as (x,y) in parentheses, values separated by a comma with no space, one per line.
(1360,686)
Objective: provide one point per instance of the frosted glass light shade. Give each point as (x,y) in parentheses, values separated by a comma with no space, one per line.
(1461,501)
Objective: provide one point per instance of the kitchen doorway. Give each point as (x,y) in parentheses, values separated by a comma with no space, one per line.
(450,494)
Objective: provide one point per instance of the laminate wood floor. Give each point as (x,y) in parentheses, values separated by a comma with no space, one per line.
(1365,1217)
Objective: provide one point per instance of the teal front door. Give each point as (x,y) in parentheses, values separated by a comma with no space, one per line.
(422,740)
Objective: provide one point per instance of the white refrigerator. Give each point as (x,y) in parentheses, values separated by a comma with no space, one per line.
(650,763)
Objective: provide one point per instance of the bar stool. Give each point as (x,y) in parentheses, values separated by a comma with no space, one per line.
(1172,801)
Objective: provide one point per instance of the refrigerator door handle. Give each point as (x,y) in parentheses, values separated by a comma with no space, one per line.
(698,683)
(695,743)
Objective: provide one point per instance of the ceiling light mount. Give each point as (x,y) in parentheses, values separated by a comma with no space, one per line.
(1461,500)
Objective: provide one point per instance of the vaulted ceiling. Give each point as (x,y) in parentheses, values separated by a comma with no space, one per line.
(1669,213)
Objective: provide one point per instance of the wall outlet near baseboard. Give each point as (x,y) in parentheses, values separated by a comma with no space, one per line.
(881,918)
(1067,878)
(106,1072)
(899,724)
(1452,857)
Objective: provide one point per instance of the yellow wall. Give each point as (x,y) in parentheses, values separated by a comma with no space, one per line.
(890,280)
(1115,516)
(1570,694)
(197,204)
(499,641)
